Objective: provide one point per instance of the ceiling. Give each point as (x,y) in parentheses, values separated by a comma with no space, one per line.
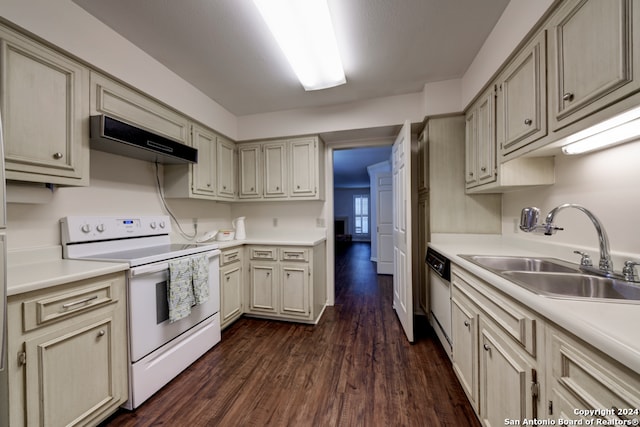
(223,48)
(388,47)
(350,165)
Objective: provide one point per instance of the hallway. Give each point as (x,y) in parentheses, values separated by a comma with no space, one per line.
(355,368)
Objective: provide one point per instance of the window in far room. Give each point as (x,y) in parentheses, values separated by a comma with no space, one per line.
(361,213)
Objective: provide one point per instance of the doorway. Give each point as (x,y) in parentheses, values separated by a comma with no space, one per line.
(355,200)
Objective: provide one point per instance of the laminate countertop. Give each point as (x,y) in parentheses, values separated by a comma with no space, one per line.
(39,268)
(611,327)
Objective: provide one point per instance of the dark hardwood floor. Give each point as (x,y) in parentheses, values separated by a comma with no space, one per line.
(355,368)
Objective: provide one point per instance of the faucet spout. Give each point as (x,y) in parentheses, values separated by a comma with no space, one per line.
(605,263)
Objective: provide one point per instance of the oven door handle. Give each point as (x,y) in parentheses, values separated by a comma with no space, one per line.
(163,266)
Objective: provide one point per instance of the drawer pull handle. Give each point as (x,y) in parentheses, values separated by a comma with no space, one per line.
(567,97)
(528,122)
(58,155)
(466,323)
(101,333)
(82,301)
(486,347)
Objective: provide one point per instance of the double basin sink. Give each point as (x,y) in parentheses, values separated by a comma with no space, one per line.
(556,278)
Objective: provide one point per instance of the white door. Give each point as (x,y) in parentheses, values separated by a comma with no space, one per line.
(402,283)
(384,219)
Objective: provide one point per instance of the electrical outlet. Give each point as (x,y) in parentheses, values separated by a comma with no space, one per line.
(275,222)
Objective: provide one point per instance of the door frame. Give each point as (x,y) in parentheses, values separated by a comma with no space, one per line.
(329,204)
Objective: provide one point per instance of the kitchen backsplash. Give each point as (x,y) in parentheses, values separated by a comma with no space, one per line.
(605,182)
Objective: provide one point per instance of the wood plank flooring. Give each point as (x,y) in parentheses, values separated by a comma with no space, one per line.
(355,368)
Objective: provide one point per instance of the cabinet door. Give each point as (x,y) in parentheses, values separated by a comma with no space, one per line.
(226,168)
(593,58)
(204,171)
(249,159)
(464,332)
(70,374)
(231,289)
(486,144)
(263,290)
(471,148)
(303,168)
(522,101)
(44,100)
(506,379)
(294,294)
(275,169)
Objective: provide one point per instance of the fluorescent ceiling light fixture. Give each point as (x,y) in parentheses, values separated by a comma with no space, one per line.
(304,32)
(617,130)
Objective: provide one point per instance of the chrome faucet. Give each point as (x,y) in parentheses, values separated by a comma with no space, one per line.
(529,223)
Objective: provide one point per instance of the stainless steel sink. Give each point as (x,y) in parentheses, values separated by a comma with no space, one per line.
(515,263)
(556,278)
(572,285)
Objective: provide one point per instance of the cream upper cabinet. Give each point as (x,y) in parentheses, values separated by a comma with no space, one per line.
(594,58)
(249,168)
(45,112)
(481,145)
(275,169)
(120,101)
(70,348)
(204,176)
(521,103)
(303,180)
(282,169)
(226,168)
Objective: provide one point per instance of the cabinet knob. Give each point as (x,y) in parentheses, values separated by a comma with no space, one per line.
(483,169)
(567,97)
(251,189)
(277,188)
(528,122)
(58,155)
(101,333)
(466,323)
(486,347)
(470,173)
(298,187)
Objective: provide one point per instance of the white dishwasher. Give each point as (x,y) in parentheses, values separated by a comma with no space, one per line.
(440,297)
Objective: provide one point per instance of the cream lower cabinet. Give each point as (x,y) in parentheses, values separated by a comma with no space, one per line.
(45,107)
(68,353)
(583,379)
(283,283)
(495,343)
(231,285)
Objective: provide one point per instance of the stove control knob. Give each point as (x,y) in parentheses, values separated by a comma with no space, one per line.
(86,228)
(100,228)
(162,224)
(152,225)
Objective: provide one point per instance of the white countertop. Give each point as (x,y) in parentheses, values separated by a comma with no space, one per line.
(282,238)
(612,327)
(39,268)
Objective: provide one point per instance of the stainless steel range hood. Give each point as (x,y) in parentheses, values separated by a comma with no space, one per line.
(118,137)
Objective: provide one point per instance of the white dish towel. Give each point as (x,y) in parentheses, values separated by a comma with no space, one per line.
(188,285)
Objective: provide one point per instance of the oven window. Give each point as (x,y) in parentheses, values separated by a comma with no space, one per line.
(162,302)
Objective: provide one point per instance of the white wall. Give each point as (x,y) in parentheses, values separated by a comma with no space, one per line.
(605,182)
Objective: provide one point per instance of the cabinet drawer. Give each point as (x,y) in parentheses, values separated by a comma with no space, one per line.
(53,307)
(264,253)
(230,256)
(294,254)
(597,381)
(515,321)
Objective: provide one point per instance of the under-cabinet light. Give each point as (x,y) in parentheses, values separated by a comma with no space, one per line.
(617,130)
(304,32)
